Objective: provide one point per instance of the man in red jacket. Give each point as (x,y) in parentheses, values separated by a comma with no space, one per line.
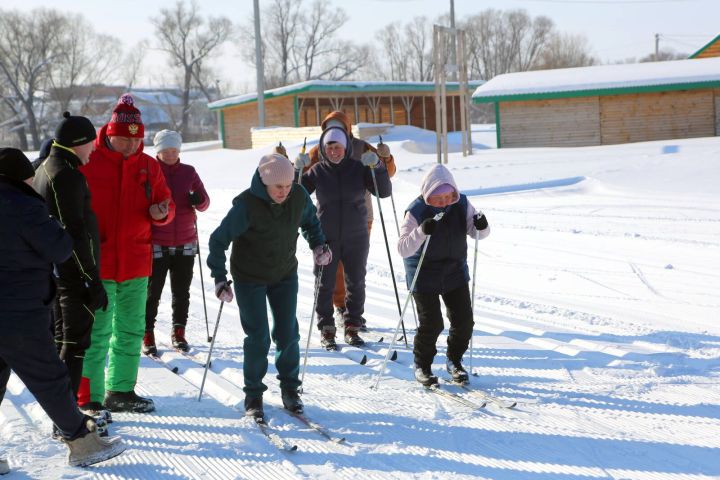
(129,195)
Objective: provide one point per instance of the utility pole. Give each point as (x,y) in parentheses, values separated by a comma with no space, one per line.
(259,67)
(657,46)
(453,56)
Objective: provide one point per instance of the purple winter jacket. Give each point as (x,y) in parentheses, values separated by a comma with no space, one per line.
(181,179)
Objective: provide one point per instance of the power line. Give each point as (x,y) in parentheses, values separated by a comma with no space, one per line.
(609,2)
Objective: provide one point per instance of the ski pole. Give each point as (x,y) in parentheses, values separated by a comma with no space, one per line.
(472,304)
(202,284)
(212,344)
(407,300)
(312,317)
(387,247)
(302,150)
(397,229)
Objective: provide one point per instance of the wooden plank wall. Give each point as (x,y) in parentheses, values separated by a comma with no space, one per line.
(657,116)
(566,122)
(717,112)
(239,120)
(712,51)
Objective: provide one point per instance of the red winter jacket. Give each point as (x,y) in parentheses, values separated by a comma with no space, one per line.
(182,179)
(120,188)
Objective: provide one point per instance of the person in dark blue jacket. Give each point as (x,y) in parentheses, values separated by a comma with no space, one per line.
(262,226)
(30,243)
(443,272)
(340,183)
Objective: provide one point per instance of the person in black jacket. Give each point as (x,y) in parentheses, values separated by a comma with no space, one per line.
(80,291)
(340,183)
(30,242)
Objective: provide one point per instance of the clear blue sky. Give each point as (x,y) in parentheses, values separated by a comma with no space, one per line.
(615,29)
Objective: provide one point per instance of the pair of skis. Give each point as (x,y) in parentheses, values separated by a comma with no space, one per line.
(276,438)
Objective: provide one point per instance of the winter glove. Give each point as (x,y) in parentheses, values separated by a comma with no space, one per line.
(302,161)
(158,211)
(370,159)
(480,222)
(428,226)
(322,255)
(196,198)
(223,291)
(383,150)
(97,297)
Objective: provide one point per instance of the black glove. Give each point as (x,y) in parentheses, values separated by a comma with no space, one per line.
(480,222)
(97,297)
(196,198)
(428,226)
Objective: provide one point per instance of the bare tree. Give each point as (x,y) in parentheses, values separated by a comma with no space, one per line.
(396,51)
(189,39)
(565,51)
(664,56)
(28,45)
(300,44)
(506,41)
(418,36)
(133,62)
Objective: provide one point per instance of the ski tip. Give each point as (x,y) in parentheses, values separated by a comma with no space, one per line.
(380,339)
(393,357)
(363,361)
(339,440)
(175,369)
(292,448)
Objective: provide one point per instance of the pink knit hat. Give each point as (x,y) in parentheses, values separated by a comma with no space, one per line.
(276,170)
(444,188)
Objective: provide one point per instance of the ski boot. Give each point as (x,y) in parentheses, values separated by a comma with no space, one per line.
(128,402)
(425,376)
(327,337)
(254,408)
(148,345)
(457,372)
(178,339)
(291,400)
(352,338)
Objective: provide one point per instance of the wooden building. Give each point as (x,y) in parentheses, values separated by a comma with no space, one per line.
(711,49)
(306,104)
(606,104)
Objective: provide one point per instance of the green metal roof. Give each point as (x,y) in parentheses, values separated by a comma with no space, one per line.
(329,87)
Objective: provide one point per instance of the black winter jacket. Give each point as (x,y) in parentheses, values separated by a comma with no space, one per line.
(67,195)
(30,242)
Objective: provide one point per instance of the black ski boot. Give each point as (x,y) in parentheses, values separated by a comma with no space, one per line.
(178,339)
(457,372)
(352,338)
(291,400)
(425,376)
(128,402)
(254,408)
(96,410)
(327,338)
(148,345)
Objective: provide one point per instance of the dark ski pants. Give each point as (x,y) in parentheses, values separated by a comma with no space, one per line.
(32,355)
(459,312)
(181,274)
(353,256)
(282,297)
(73,328)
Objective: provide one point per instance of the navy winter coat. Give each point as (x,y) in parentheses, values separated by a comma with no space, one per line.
(30,242)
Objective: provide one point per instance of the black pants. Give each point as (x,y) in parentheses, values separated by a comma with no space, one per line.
(32,355)
(73,327)
(181,273)
(459,311)
(354,258)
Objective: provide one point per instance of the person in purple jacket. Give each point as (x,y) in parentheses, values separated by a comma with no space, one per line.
(175,244)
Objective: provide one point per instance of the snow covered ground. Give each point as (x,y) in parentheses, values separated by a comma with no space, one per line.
(597,309)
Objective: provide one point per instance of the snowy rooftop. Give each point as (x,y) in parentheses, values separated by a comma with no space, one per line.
(335,86)
(602,80)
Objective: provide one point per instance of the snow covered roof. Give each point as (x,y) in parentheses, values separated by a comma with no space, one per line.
(601,80)
(332,86)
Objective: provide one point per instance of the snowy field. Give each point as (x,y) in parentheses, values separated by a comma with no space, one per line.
(597,309)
